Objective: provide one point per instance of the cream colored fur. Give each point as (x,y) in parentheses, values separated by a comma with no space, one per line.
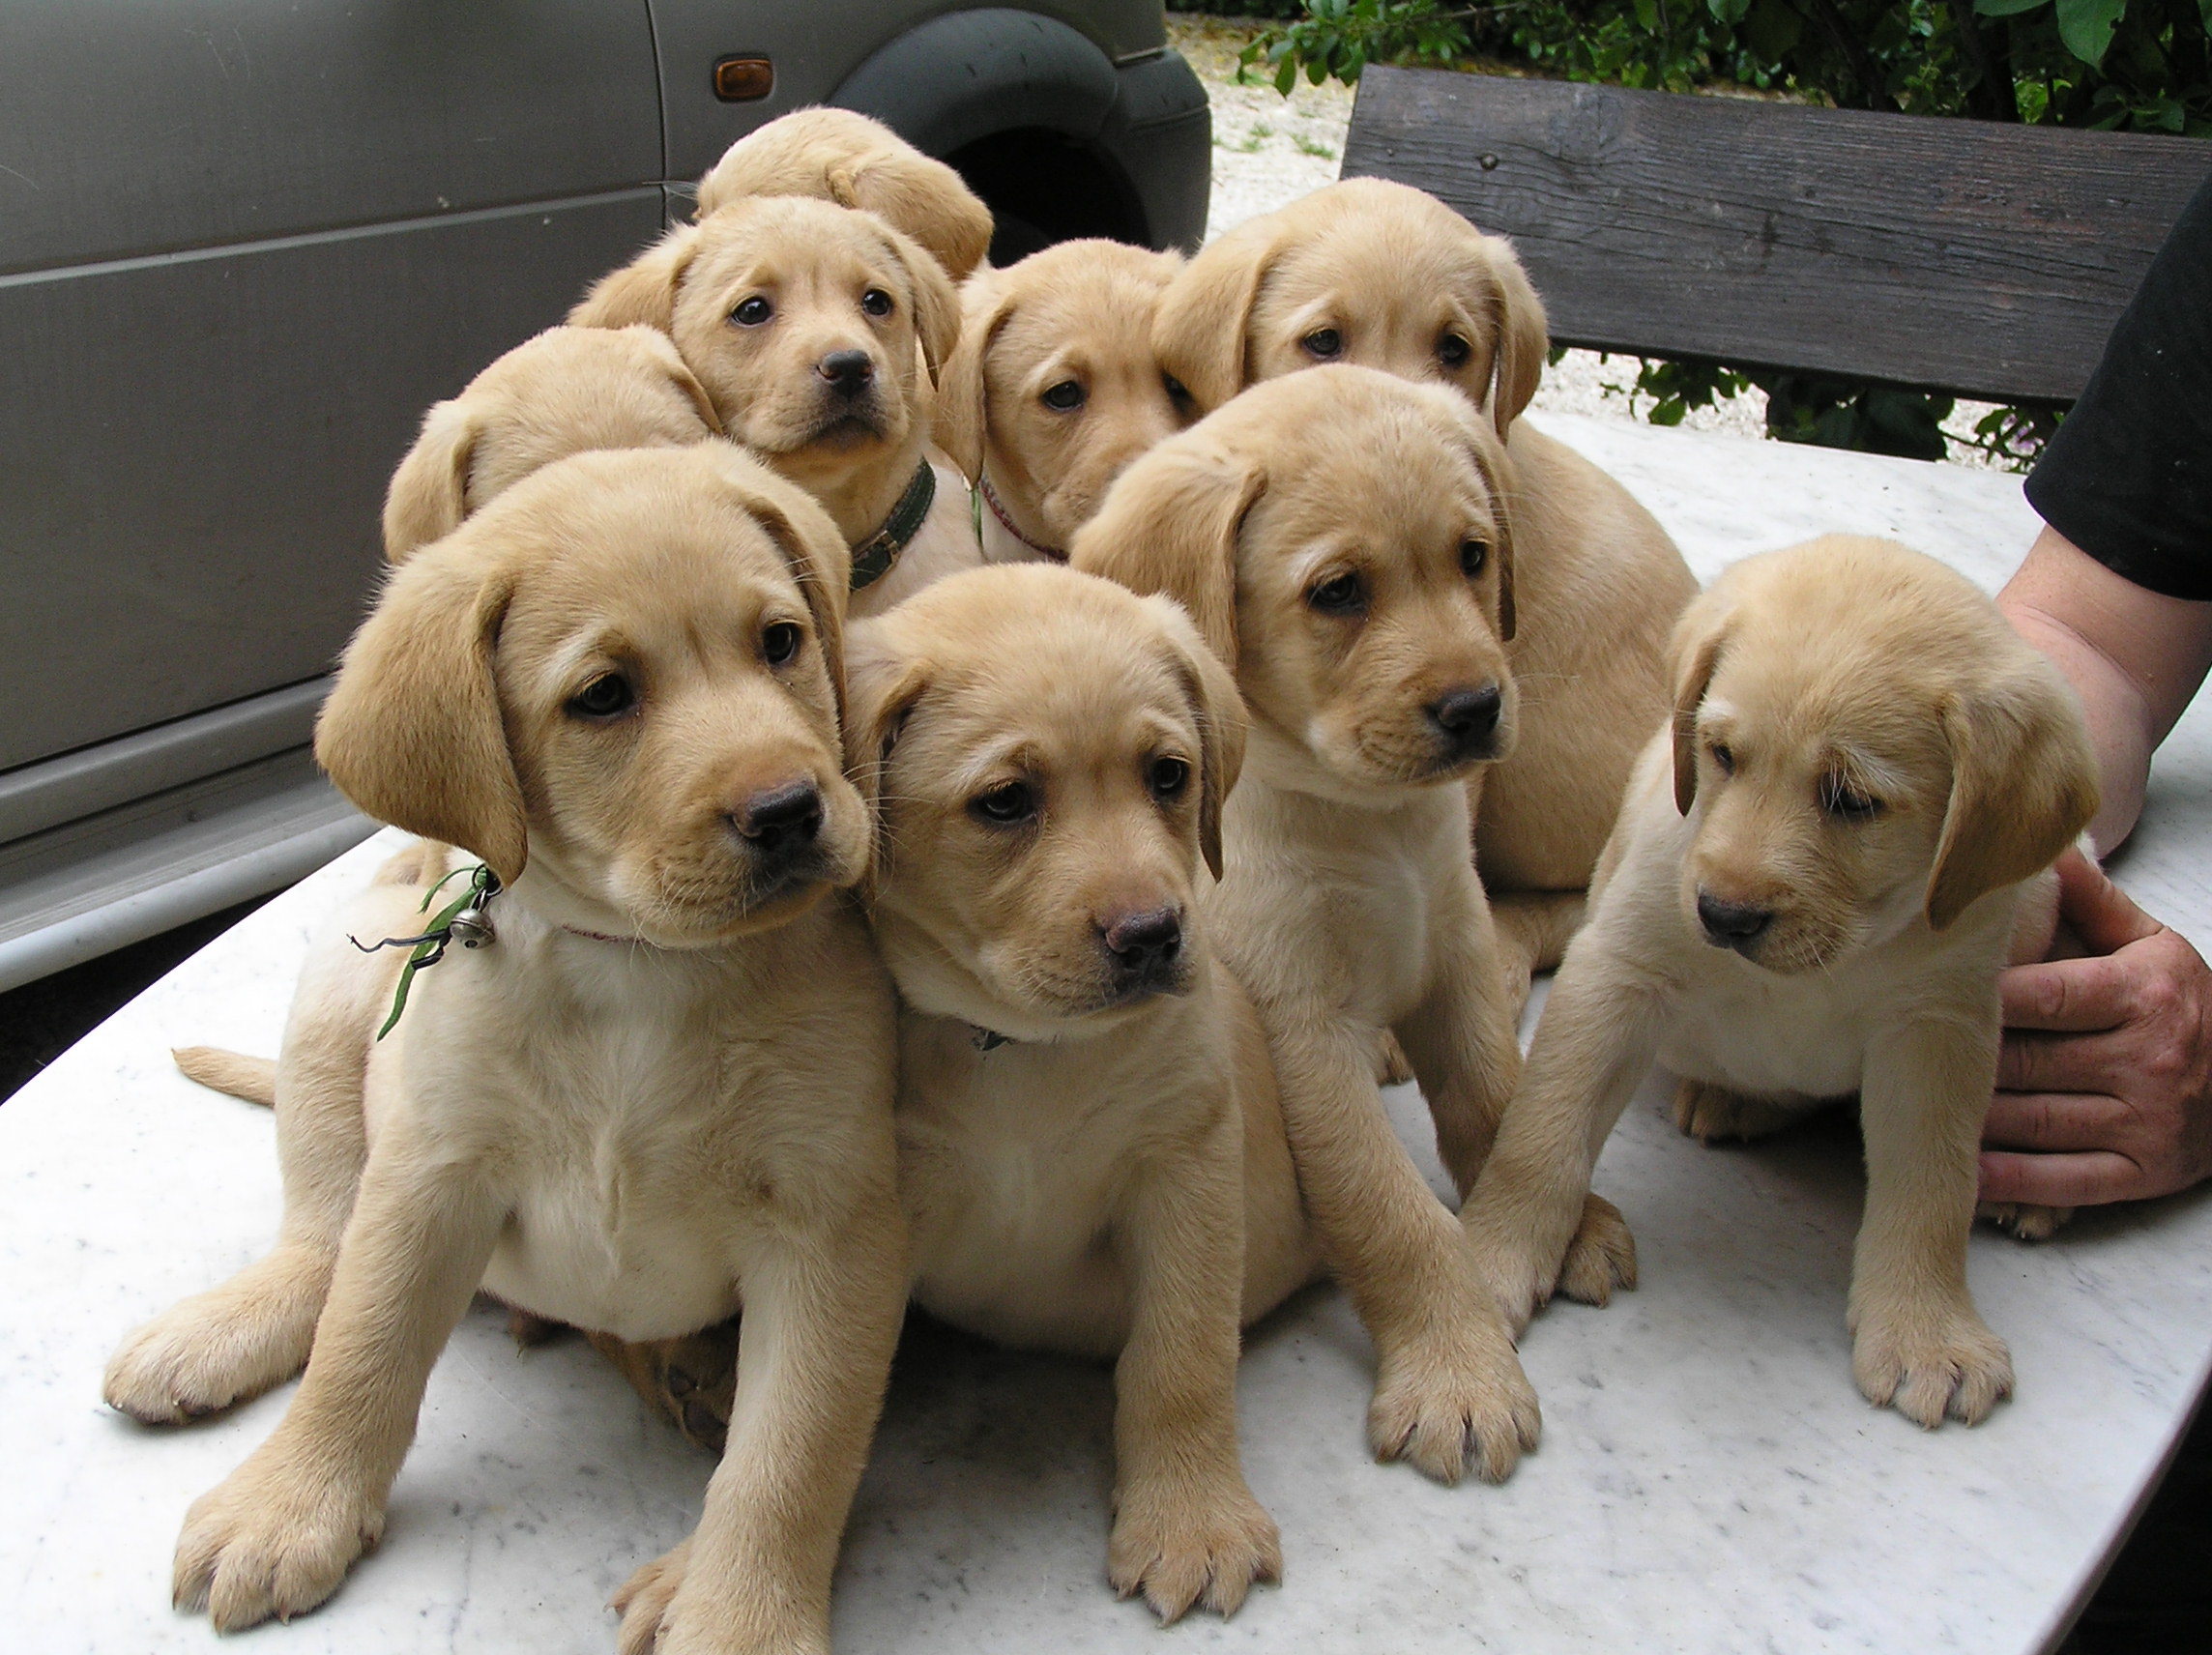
(835,154)
(1072,324)
(826,280)
(563,392)
(1864,752)
(1387,277)
(1349,908)
(641,1130)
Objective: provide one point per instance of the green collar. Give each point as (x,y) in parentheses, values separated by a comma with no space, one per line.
(873,557)
(463,918)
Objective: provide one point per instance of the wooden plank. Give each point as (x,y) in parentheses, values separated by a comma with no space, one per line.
(1963,255)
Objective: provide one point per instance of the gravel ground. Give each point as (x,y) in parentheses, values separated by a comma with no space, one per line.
(1270,150)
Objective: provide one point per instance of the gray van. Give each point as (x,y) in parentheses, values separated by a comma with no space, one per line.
(244,244)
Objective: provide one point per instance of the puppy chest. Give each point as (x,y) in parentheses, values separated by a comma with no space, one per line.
(1770,1042)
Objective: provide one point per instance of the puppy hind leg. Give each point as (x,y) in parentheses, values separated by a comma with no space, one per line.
(1533,930)
(2024,1222)
(254,1331)
(1714,1115)
(691,1381)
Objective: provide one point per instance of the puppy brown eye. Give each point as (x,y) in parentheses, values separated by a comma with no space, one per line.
(779,642)
(1838,798)
(1323,344)
(1453,350)
(752,312)
(1723,758)
(1169,777)
(607,696)
(876,301)
(1064,395)
(1473,555)
(1178,392)
(1343,595)
(1007,805)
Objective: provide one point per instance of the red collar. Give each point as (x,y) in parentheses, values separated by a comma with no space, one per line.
(991,498)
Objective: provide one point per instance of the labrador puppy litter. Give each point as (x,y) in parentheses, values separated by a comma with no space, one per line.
(1345,542)
(1387,277)
(840,156)
(816,331)
(564,391)
(1814,880)
(1054,388)
(649,1081)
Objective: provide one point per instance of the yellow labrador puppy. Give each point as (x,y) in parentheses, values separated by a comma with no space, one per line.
(564,391)
(813,328)
(835,154)
(1387,277)
(1091,1154)
(1054,388)
(1810,894)
(656,1085)
(1343,540)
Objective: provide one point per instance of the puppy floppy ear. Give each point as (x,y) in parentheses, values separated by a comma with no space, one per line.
(1696,645)
(1488,452)
(963,420)
(429,492)
(1170,524)
(2023,785)
(927,200)
(1199,330)
(1219,714)
(885,686)
(643,292)
(813,550)
(936,304)
(1522,336)
(411,731)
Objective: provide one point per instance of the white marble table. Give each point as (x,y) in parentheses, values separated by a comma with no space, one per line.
(1709,1479)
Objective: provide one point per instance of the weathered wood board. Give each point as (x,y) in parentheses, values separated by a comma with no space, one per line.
(1963,255)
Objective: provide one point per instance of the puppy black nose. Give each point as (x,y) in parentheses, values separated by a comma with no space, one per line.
(1732,924)
(782,820)
(1144,944)
(1467,717)
(847,371)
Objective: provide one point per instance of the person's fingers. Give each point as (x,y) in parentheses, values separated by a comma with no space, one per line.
(2071,995)
(2088,1179)
(2102,914)
(2055,1121)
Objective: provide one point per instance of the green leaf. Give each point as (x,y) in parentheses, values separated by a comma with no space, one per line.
(1286,77)
(1772,28)
(1648,13)
(2086,27)
(1732,10)
(2206,7)
(2006,7)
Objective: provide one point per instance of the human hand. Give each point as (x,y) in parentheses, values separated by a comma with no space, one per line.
(2106,1073)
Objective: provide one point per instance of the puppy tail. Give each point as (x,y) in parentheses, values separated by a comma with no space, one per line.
(254,1079)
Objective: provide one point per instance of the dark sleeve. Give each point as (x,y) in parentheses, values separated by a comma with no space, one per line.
(2128,477)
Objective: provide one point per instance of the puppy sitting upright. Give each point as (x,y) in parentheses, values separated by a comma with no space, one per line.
(656,1084)
(1054,388)
(811,328)
(1387,277)
(1810,894)
(1343,539)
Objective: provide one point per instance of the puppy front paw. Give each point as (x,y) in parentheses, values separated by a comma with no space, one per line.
(1182,1547)
(2024,1222)
(1714,1115)
(212,1349)
(1453,1398)
(271,1540)
(1930,1362)
(644,1599)
(1601,1256)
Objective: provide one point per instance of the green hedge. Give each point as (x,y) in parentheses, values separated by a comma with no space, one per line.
(2139,65)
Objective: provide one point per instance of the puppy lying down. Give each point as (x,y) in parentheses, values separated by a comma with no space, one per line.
(1091,1154)
(1810,889)
(564,391)
(655,1084)
(816,332)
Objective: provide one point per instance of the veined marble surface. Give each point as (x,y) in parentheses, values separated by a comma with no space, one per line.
(1709,1479)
